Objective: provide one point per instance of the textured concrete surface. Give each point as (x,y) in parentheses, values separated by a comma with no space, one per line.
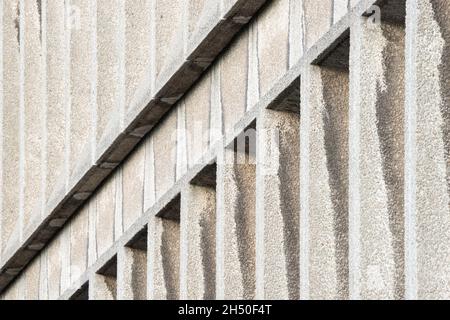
(277,205)
(197,119)
(164,259)
(34,112)
(138,53)
(427,151)
(317,19)
(110,62)
(236,176)
(377,153)
(164,148)
(324,184)
(10,125)
(233,82)
(56,97)
(261,243)
(131,274)
(102,287)
(169,34)
(82,51)
(133,186)
(198,241)
(79,243)
(106,215)
(273,43)
(83,74)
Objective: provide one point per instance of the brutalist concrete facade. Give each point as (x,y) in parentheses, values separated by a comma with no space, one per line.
(224,149)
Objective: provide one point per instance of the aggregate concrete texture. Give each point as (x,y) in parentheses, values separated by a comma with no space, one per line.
(326,176)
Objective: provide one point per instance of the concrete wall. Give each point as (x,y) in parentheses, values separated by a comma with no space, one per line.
(307,162)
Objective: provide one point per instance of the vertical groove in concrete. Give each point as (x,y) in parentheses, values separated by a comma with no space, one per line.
(277,206)
(10,124)
(131,274)
(163,259)
(324,184)
(198,239)
(236,222)
(378,172)
(33,113)
(427,151)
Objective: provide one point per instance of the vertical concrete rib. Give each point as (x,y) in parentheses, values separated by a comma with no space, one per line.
(33,120)
(79,242)
(197,239)
(377,159)
(133,187)
(102,287)
(296,41)
(427,150)
(163,258)
(82,26)
(106,210)
(10,124)
(1,127)
(131,274)
(138,73)
(110,30)
(324,184)
(21,171)
(277,205)
(236,221)
(57,77)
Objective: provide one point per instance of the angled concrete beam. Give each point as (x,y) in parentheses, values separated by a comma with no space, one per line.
(149,110)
